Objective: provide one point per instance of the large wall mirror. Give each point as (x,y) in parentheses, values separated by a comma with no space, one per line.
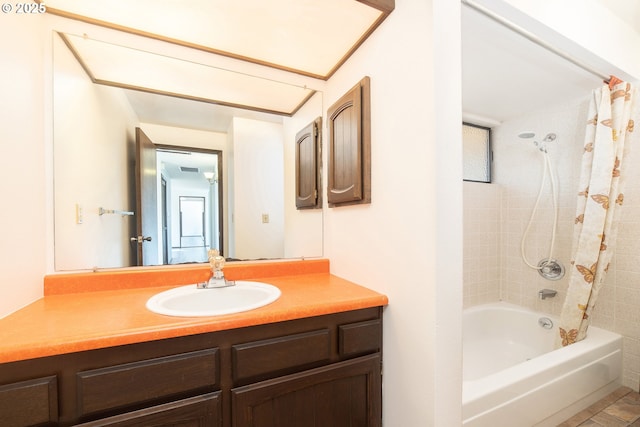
(218,176)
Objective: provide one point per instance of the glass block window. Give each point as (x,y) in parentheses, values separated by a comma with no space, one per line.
(476,153)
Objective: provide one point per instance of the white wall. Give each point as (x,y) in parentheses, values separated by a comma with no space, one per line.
(302,227)
(407,242)
(23,188)
(227,215)
(93,130)
(183,137)
(592,26)
(258,185)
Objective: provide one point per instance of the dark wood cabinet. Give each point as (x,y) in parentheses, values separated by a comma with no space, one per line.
(325,368)
(128,384)
(308,168)
(344,394)
(349,168)
(31,402)
(199,411)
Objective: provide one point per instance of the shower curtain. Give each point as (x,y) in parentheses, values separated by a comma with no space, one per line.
(600,198)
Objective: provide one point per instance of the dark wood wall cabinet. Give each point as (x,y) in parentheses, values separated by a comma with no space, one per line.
(323,371)
(308,166)
(349,122)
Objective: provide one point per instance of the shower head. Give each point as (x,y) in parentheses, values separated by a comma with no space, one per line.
(541,146)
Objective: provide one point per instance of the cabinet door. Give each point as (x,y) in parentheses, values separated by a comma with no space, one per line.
(308,176)
(199,411)
(345,394)
(349,168)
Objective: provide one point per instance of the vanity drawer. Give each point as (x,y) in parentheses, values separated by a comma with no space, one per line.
(360,338)
(146,381)
(198,411)
(281,355)
(26,403)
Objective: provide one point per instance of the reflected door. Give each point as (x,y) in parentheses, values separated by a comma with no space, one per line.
(146,201)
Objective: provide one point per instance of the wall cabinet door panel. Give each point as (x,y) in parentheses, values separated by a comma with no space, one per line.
(308,176)
(350,147)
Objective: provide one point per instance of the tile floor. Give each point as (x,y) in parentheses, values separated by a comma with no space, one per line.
(619,409)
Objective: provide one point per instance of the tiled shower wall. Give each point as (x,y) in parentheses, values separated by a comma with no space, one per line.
(496,216)
(481,243)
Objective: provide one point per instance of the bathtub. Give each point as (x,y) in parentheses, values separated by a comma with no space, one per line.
(513,377)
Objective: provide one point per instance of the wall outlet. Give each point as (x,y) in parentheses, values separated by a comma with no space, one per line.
(265,218)
(79,214)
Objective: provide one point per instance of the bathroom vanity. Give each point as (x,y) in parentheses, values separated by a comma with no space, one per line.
(299,361)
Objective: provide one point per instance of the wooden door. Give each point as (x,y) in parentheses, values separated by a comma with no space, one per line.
(146,200)
(345,394)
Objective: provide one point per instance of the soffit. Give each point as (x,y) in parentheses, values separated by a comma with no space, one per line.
(505,76)
(310,37)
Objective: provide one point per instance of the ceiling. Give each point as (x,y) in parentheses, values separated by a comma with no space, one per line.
(505,75)
(185,113)
(627,10)
(187,164)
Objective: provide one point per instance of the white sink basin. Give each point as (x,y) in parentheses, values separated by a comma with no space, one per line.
(189,301)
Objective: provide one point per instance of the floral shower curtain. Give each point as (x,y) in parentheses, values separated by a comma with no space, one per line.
(600,198)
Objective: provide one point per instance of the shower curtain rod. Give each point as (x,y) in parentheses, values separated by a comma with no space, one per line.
(535,39)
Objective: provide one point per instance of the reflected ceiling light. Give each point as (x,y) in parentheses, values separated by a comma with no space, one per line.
(211,177)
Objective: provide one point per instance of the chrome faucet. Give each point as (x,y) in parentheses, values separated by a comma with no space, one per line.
(217,279)
(547,293)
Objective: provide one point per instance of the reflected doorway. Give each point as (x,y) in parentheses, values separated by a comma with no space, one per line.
(191,203)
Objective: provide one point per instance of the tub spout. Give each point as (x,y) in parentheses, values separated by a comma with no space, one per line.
(547,293)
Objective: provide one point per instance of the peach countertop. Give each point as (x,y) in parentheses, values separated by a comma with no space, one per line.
(72,317)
